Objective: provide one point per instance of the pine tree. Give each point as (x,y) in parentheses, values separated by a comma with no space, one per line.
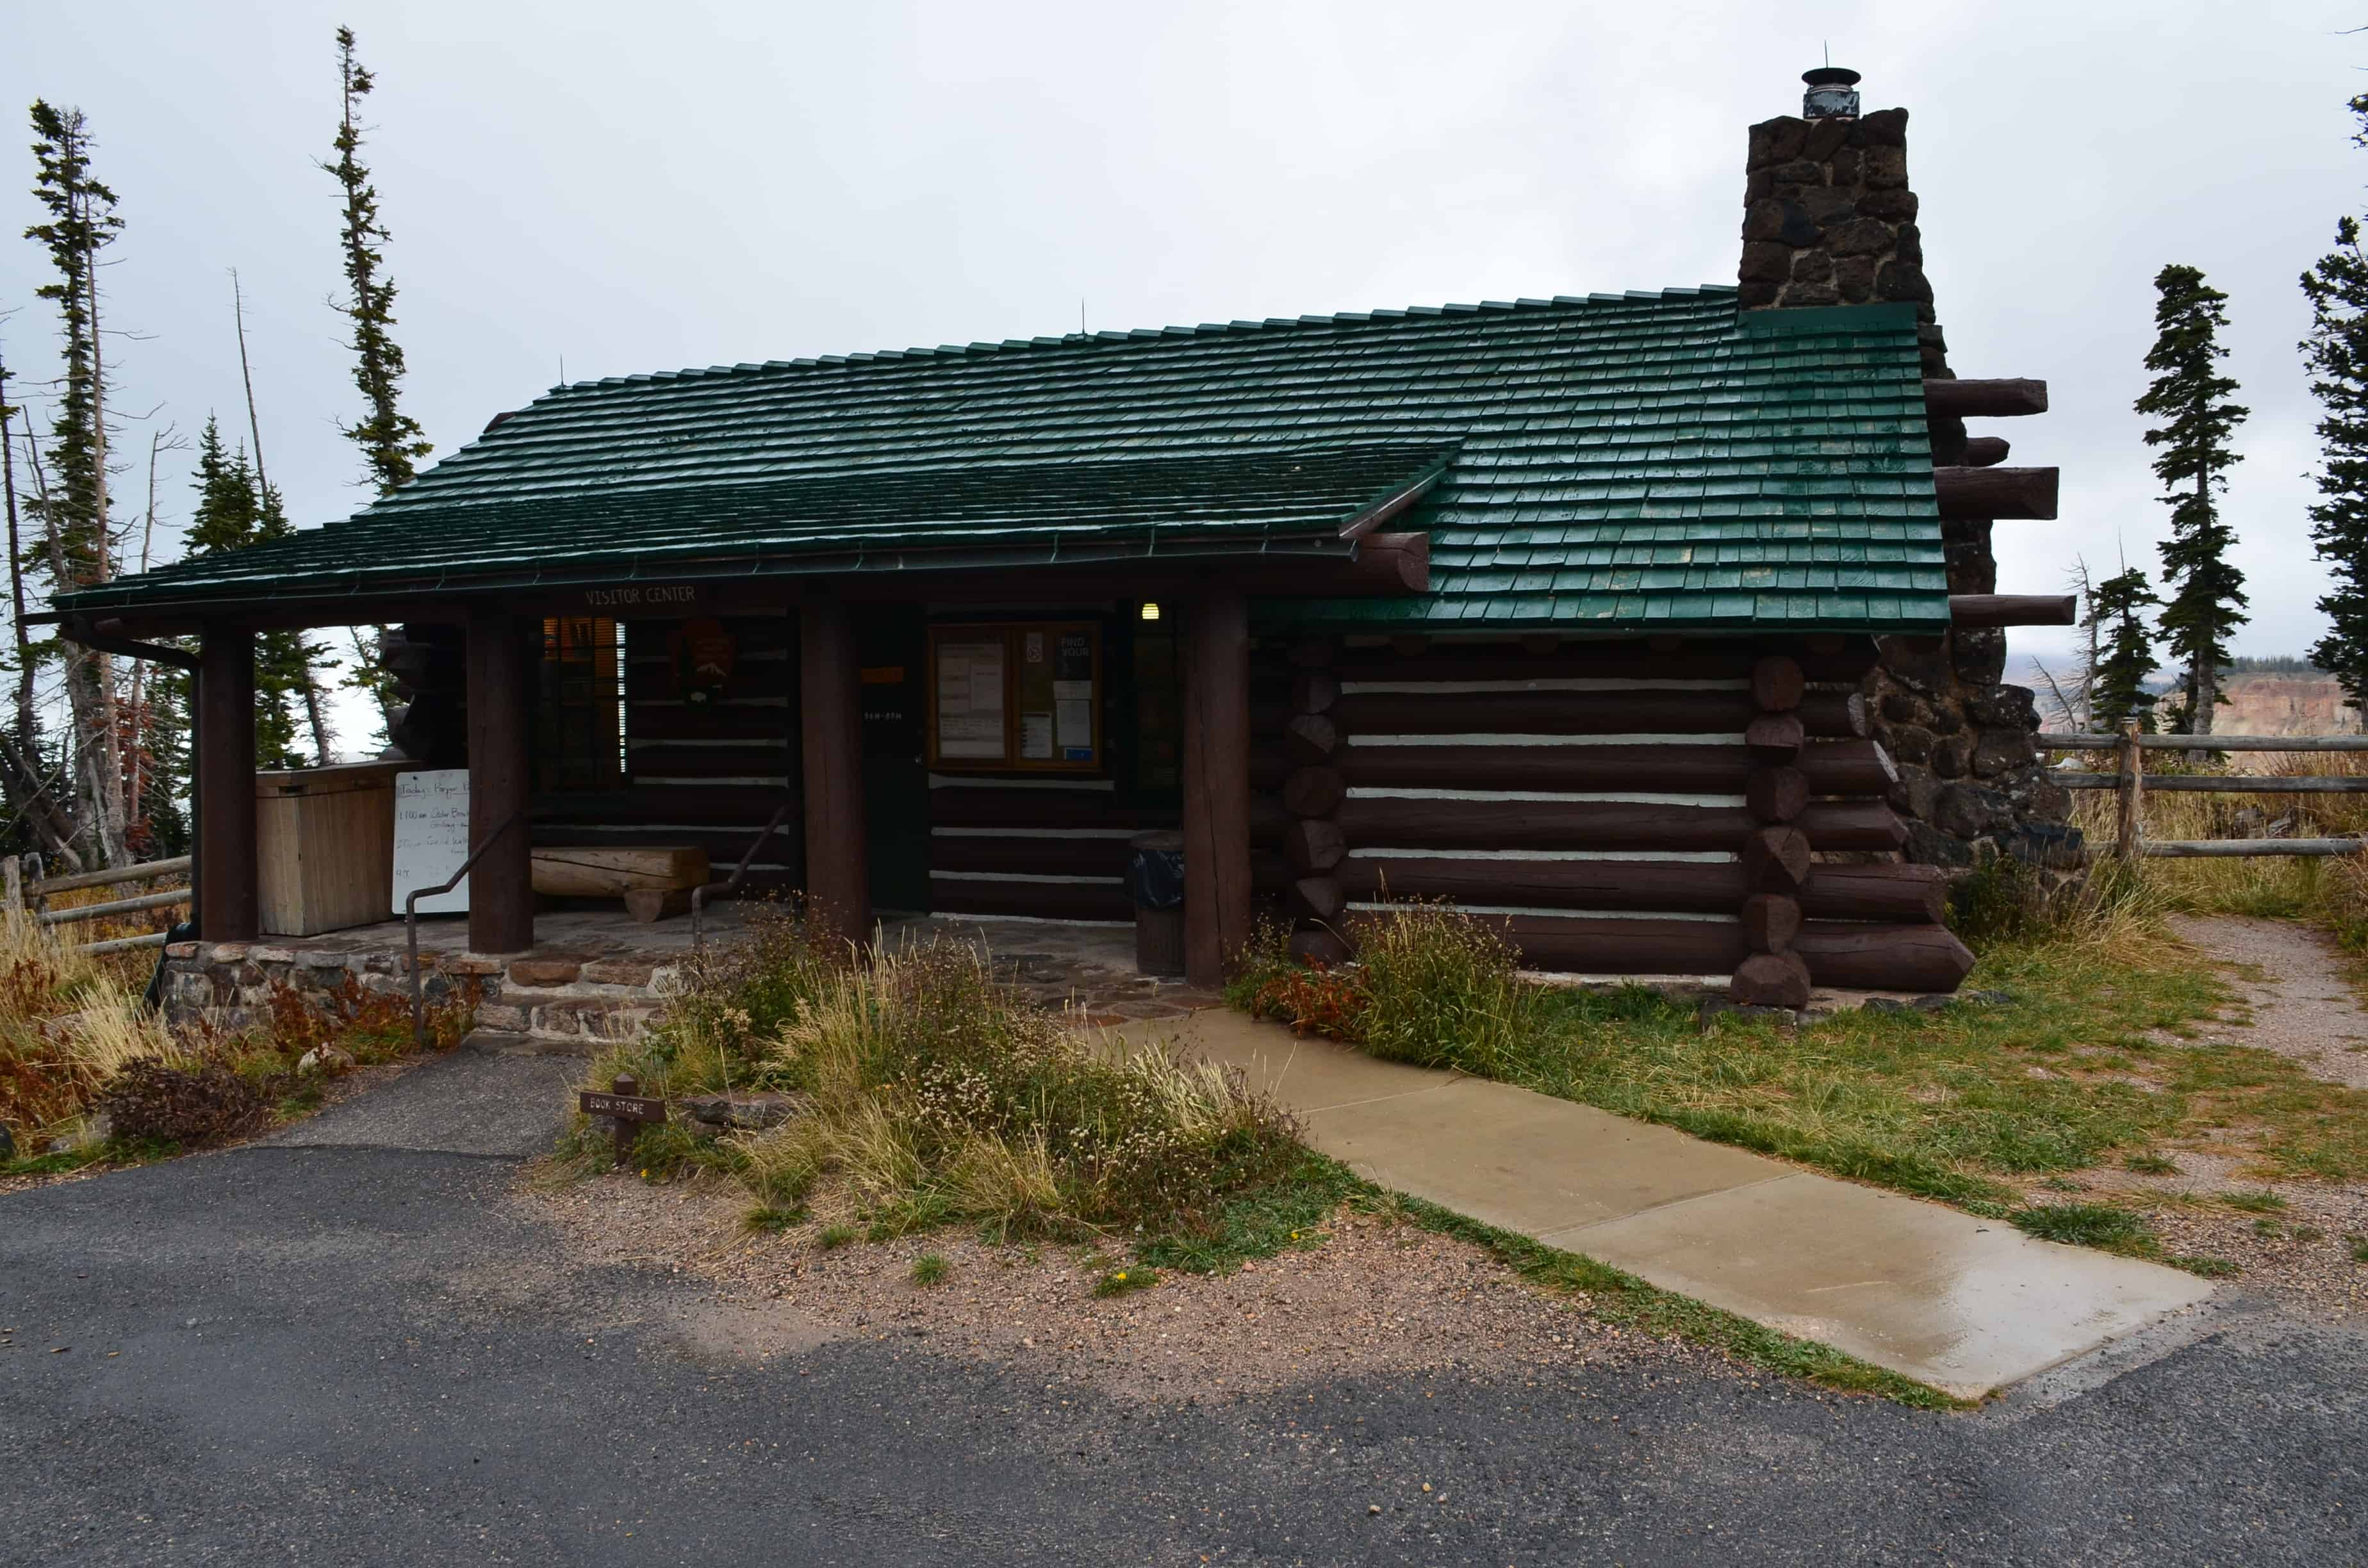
(2207,597)
(2116,612)
(2337,353)
(391,440)
(232,513)
(73,509)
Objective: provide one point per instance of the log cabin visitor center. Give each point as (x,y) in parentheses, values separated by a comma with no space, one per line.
(1660,626)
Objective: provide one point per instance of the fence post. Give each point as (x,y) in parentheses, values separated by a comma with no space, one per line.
(2131,793)
(14,874)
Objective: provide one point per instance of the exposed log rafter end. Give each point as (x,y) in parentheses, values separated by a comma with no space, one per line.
(1982,611)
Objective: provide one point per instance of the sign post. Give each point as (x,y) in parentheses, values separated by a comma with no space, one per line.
(626,1105)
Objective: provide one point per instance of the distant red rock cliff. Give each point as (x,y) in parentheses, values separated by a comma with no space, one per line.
(2261,704)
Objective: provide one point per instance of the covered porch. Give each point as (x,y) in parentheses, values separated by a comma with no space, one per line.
(986,750)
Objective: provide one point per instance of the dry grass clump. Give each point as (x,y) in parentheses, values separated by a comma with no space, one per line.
(1431,985)
(2329,891)
(930,1093)
(69,1022)
(77,1038)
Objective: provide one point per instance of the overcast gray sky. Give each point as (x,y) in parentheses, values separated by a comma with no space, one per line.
(639,188)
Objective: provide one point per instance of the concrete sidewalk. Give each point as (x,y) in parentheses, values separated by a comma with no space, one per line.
(1967,1305)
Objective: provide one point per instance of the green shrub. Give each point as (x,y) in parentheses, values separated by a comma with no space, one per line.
(1431,985)
(2000,899)
(930,1268)
(2085,1224)
(1441,988)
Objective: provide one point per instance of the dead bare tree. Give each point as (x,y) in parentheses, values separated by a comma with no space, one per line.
(48,809)
(274,516)
(82,221)
(26,729)
(135,738)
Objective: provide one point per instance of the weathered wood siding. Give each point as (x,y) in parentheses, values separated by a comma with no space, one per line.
(1596,798)
(708,774)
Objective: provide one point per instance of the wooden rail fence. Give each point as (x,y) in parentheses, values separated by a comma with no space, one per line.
(2129,781)
(28,891)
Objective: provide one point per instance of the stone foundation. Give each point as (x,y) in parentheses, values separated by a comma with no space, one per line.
(1969,767)
(551,1003)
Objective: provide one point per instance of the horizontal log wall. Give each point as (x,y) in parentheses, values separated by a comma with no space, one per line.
(708,774)
(1049,851)
(1596,801)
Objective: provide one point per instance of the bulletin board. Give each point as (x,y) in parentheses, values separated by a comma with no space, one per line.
(1022,696)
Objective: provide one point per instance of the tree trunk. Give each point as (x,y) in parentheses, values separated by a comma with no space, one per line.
(2204,676)
(312,715)
(106,769)
(25,733)
(51,825)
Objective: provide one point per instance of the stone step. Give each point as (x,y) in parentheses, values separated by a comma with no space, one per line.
(550,1015)
(502,1042)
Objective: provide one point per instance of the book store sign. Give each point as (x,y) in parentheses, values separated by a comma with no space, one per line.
(641,595)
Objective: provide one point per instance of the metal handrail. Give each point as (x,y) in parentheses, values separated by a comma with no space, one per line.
(732,883)
(411,922)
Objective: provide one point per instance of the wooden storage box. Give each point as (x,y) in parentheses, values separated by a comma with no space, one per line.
(324,846)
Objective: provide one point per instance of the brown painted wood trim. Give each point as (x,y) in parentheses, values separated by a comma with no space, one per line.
(1365,522)
(229,900)
(1216,784)
(830,707)
(501,884)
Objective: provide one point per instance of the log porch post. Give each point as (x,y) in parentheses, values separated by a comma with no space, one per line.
(501,885)
(1216,784)
(830,732)
(229,908)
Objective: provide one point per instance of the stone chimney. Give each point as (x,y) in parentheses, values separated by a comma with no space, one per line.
(1830,220)
(1828,216)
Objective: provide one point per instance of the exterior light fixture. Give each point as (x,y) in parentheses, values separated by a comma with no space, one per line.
(1150,609)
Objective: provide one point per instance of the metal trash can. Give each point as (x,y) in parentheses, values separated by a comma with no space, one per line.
(1154,879)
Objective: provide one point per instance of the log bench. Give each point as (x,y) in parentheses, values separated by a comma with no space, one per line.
(654,881)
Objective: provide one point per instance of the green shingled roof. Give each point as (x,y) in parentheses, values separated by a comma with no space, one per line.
(1600,463)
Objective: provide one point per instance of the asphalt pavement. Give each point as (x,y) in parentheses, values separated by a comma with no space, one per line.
(350,1345)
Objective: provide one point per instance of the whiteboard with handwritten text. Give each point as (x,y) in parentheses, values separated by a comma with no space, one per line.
(431,836)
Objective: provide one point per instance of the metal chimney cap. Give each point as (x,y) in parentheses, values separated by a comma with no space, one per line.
(1832,94)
